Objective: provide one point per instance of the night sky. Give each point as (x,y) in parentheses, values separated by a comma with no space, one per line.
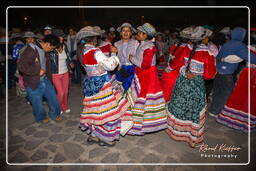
(105,17)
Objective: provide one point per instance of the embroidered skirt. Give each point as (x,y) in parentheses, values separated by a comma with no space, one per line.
(186,110)
(103,112)
(235,112)
(147,102)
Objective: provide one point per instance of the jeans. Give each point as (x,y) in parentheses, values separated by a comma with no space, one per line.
(44,89)
(76,75)
(222,88)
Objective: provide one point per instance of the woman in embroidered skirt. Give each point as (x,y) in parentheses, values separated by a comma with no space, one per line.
(186,109)
(126,46)
(104,106)
(236,111)
(161,54)
(145,93)
(171,72)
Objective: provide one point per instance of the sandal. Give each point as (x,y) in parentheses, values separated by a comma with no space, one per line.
(91,140)
(108,144)
(58,119)
(45,120)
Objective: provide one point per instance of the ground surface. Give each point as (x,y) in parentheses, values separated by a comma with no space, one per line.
(64,142)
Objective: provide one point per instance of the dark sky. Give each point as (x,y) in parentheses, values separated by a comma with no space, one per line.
(105,17)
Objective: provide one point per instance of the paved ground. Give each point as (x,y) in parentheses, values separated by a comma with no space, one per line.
(30,142)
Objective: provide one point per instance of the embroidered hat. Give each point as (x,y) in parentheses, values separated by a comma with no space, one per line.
(29,34)
(98,29)
(226,31)
(186,32)
(126,25)
(148,29)
(112,29)
(87,31)
(195,34)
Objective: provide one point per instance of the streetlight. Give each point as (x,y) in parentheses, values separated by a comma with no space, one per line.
(142,19)
(25,20)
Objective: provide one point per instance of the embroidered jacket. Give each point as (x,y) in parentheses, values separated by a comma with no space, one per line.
(131,50)
(202,63)
(145,55)
(96,63)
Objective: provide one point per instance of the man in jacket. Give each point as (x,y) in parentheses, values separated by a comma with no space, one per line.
(36,82)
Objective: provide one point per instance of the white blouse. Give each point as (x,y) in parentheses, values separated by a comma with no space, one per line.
(62,62)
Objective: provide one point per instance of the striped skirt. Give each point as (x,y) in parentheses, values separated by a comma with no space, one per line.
(235,113)
(186,110)
(147,102)
(107,132)
(103,112)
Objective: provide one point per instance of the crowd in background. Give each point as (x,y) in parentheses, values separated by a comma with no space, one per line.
(135,81)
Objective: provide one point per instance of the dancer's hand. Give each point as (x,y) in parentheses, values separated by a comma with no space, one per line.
(190,75)
(72,66)
(42,72)
(130,57)
(113,49)
(167,69)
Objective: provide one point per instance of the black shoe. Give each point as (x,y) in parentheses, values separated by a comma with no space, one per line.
(92,140)
(108,144)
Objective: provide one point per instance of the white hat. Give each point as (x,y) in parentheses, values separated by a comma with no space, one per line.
(195,33)
(126,25)
(112,29)
(87,31)
(98,29)
(226,31)
(148,29)
(47,27)
(29,34)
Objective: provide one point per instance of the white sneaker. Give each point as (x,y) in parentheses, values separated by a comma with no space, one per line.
(61,112)
(213,115)
(67,111)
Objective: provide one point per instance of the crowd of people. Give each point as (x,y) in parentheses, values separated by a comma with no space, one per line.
(136,81)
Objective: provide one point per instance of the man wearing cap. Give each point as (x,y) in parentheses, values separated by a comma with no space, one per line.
(47,30)
(145,92)
(126,46)
(36,82)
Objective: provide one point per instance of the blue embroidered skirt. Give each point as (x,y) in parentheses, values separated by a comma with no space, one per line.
(92,85)
(126,80)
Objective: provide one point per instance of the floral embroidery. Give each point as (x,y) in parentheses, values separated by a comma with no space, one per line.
(92,85)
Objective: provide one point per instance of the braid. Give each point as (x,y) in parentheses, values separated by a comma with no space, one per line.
(178,45)
(191,56)
(174,51)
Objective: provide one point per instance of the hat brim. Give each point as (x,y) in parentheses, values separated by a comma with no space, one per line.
(32,36)
(141,28)
(84,34)
(132,29)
